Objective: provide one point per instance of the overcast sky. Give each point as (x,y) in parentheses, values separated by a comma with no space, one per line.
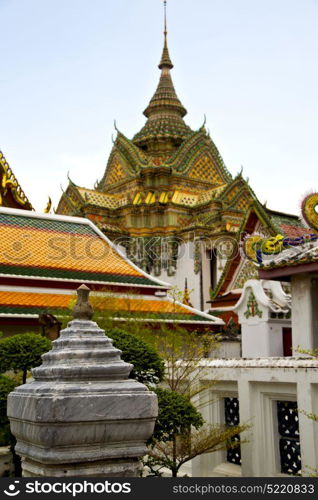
(70,67)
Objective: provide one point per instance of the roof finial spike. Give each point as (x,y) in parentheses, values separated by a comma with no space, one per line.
(165,9)
(165,59)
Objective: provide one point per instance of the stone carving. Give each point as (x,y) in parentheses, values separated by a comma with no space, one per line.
(82,415)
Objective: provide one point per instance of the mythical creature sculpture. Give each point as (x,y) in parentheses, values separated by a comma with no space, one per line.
(309,209)
(256,246)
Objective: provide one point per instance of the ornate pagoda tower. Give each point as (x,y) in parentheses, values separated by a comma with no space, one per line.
(171,204)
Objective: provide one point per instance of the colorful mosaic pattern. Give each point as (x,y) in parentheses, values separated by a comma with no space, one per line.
(94,197)
(205,171)
(115,172)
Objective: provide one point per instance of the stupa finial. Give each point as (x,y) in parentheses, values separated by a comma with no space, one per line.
(165,59)
(83,309)
(165,10)
(164,111)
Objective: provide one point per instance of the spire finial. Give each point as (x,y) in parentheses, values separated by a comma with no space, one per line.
(165,11)
(83,309)
(165,59)
(186,295)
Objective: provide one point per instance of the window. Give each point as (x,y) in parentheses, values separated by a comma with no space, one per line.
(232,417)
(289,444)
(211,255)
(287,342)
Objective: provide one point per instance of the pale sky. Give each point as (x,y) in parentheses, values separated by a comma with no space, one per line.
(69,68)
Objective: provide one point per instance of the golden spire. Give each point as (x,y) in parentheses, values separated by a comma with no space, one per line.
(164,112)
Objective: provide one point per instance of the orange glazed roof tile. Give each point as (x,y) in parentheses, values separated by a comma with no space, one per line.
(32,303)
(67,248)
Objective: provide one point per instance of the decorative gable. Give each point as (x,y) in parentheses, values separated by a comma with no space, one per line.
(205,170)
(246,272)
(232,193)
(244,202)
(115,171)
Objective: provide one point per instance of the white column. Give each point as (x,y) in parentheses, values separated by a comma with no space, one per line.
(302,315)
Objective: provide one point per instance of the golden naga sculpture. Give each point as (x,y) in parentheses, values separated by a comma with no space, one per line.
(309,209)
(256,246)
(11,193)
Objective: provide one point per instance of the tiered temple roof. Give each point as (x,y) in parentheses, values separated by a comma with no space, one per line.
(164,112)
(44,258)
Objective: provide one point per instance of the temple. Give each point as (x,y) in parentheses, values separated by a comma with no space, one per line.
(11,193)
(170,203)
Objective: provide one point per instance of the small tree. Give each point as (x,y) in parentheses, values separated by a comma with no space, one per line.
(193,443)
(22,352)
(176,416)
(6,386)
(180,434)
(148,366)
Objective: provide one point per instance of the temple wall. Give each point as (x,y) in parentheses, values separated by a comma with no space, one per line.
(259,385)
(185,270)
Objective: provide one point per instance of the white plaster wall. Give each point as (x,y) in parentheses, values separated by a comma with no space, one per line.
(275,335)
(185,269)
(259,384)
(255,340)
(263,339)
(227,349)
